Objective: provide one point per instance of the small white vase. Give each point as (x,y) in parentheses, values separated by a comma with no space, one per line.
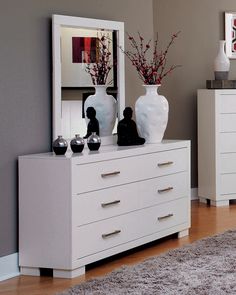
(221,63)
(106,109)
(151,112)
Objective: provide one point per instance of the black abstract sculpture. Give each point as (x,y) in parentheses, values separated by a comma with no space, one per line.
(93,125)
(127,130)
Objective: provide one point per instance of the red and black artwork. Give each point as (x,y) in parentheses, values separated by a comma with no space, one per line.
(84,50)
(234,34)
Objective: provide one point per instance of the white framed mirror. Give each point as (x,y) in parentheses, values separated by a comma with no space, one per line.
(71,84)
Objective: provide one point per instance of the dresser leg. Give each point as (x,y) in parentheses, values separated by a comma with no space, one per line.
(202,200)
(183,233)
(69,274)
(220,203)
(30,271)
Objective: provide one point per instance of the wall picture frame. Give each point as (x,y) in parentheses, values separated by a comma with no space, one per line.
(230,34)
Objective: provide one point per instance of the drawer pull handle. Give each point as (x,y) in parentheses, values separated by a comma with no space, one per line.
(164,190)
(110,174)
(165,216)
(115,232)
(110,203)
(165,164)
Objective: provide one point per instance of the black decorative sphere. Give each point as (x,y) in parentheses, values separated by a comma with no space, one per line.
(59,146)
(77,144)
(94,142)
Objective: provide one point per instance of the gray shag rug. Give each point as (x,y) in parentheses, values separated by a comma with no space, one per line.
(205,267)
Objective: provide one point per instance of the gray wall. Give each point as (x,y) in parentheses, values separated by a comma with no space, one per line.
(25,83)
(201,24)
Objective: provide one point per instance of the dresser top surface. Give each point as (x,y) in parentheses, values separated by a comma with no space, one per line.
(219,91)
(112,151)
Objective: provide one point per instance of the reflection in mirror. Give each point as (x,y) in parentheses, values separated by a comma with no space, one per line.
(78,48)
(74,46)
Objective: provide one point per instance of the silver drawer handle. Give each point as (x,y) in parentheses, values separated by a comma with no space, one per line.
(165,216)
(110,203)
(115,232)
(110,174)
(164,190)
(165,163)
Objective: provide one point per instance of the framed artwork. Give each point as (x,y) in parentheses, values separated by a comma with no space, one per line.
(230,34)
(84,49)
(78,48)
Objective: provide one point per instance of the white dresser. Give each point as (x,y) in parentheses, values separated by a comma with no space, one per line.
(77,209)
(217,146)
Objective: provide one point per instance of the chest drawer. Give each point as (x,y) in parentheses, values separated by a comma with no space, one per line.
(99,175)
(227,123)
(228,184)
(106,203)
(227,103)
(227,142)
(228,163)
(99,236)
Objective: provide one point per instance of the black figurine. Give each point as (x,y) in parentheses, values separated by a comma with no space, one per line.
(127,130)
(93,125)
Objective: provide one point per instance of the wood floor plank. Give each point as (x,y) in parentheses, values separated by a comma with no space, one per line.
(206,221)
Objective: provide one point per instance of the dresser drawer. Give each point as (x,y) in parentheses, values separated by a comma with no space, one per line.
(227,103)
(106,203)
(164,189)
(227,123)
(228,163)
(227,142)
(99,175)
(102,235)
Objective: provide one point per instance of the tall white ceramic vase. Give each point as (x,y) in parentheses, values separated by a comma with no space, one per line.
(221,63)
(151,112)
(106,109)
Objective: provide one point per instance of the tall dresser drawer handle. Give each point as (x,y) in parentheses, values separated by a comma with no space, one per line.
(115,232)
(165,163)
(110,174)
(165,216)
(164,190)
(110,203)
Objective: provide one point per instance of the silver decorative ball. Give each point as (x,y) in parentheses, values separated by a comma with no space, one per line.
(77,144)
(59,145)
(94,142)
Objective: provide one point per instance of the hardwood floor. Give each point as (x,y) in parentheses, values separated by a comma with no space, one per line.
(206,221)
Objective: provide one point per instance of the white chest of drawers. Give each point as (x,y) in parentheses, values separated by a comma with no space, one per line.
(77,209)
(217,146)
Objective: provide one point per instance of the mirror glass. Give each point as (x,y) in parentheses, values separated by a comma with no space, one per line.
(74,46)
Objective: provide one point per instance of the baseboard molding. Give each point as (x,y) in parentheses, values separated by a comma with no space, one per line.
(9,266)
(194,193)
